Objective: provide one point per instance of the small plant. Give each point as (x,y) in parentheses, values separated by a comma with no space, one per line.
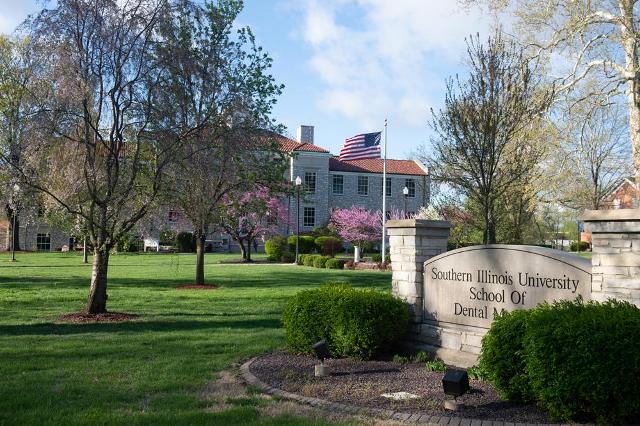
(476,373)
(309,259)
(274,248)
(376,258)
(422,356)
(436,365)
(320,261)
(334,264)
(400,359)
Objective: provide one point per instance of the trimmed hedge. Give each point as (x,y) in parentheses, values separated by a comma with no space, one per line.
(275,247)
(376,258)
(334,264)
(186,242)
(583,245)
(320,261)
(354,322)
(309,259)
(328,246)
(580,361)
(306,244)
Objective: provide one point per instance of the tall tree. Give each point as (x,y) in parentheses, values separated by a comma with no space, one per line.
(476,150)
(100,149)
(595,154)
(218,76)
(599,39)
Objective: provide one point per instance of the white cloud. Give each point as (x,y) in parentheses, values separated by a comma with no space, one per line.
(379,58)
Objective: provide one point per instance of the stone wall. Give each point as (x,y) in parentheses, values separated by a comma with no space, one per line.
(616,253)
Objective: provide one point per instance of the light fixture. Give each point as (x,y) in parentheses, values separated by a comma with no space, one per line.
(454,383)
(298,181)
(405,191)
(321,349)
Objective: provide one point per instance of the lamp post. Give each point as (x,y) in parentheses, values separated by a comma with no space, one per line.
(298,184)
(16,190)
(405,191)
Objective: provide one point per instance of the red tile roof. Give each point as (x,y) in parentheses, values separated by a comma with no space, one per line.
(289,145)
(374,165)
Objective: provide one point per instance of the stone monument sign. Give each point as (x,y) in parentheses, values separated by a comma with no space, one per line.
(469,285)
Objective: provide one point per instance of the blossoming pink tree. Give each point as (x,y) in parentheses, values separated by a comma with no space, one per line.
(246,216)
(357,225)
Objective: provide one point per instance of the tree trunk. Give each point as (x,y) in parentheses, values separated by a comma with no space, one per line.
(200,242)
(97,302)
(249,242)
(243,250)
(629,44)
(84,251)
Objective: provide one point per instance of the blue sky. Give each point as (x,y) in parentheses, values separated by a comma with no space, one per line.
(349,64)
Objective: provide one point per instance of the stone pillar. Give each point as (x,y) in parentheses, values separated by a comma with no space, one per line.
(411,243)
(615,237)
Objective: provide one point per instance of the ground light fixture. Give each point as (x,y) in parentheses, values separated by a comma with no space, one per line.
(455,383)
(321,349)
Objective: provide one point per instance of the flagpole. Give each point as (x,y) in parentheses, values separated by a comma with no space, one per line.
(384,194)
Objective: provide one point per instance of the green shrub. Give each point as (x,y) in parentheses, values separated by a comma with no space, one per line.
(306,244)
(354,322)
(287,257)
(309,259)
(320,261)
(167,238)
(476,373)
(579,361)
(422,356)
(301,258)
(502,356)
(328,246)
(334,264)
(436,365)
(185,242)
(376,258)
(274,248)
(583,245)
(387,259)
(583,360)
(400,359)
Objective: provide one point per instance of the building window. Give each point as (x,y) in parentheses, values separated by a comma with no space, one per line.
(387,215)
(338,184)
(309,216)
(310,181)
(363,185)
(43,242)
(388,187)
(411,186)
(173,216)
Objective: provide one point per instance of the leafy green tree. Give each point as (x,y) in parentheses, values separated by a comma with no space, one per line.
(218,81)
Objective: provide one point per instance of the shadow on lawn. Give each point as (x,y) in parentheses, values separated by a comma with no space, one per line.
(134,327)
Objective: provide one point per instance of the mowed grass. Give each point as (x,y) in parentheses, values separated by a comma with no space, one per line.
(153,370)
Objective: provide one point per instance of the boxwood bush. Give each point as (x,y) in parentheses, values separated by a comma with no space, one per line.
(306,244)
(328,246)
(354,322)
(580,361)
(320,261)
(502,357)
(309,259)
(275,247)
(334,264)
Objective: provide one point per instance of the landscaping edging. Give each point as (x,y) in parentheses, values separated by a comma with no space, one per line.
(421,418)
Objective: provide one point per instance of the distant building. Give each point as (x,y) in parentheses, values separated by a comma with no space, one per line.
(327,184)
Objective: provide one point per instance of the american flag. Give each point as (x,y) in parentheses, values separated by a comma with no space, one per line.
(362,146)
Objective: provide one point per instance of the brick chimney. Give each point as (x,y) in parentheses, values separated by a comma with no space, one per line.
(305,134)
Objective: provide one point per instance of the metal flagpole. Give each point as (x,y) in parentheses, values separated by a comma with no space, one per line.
(384,194)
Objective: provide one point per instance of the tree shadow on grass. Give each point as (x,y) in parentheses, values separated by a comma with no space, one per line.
(134,327)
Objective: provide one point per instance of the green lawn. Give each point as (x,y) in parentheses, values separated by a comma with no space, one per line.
(151,371)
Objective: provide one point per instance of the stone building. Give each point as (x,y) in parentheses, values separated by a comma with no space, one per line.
(327,184)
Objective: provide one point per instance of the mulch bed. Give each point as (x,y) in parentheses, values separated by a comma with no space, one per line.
(361,383)
(197,287)
(82,317)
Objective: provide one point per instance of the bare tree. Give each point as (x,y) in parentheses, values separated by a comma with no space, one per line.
(100,151)
(475,150)
(599,40)
(595,154)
